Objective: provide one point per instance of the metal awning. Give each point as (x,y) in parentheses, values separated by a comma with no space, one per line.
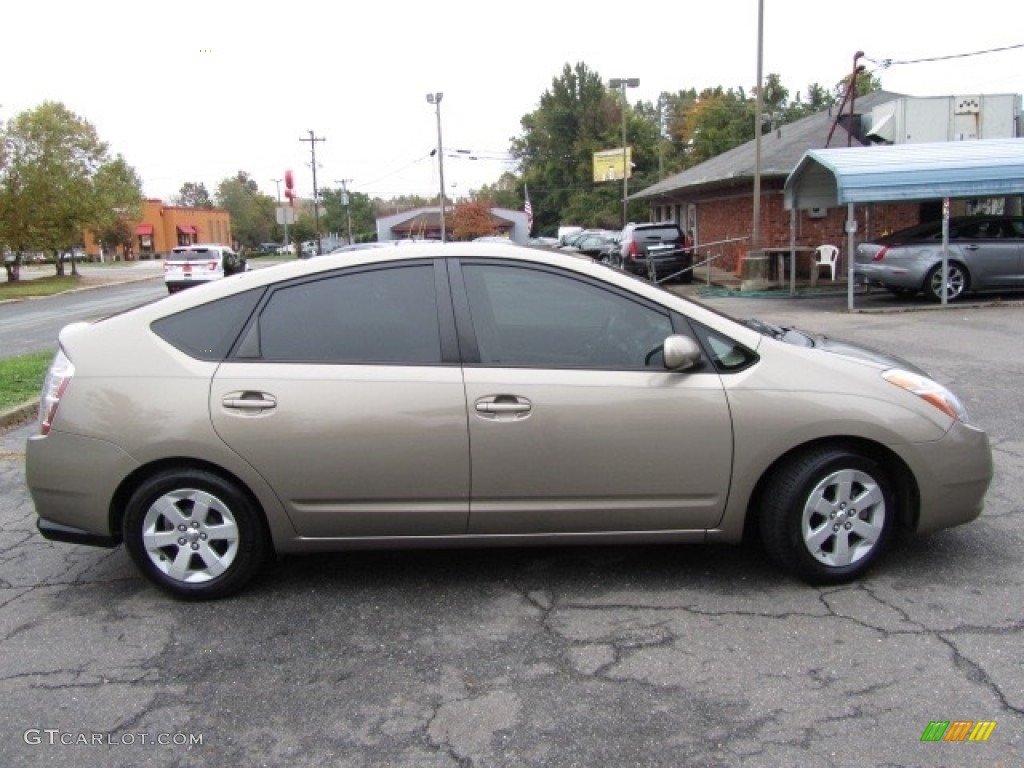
(826,178)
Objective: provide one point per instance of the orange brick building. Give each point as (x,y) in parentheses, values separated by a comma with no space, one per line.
(164,227)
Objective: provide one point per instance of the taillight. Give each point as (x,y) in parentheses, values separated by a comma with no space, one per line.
(58,377)
(212,265)
(880,254)
(634,252)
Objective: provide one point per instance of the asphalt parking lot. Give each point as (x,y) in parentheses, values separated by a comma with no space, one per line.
(621,656)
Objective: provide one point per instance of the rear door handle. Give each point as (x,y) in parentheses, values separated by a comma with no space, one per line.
(249,402)
(503,407)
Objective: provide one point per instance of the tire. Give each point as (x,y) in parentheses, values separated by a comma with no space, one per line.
(809,524)
(194,534)
(959,282)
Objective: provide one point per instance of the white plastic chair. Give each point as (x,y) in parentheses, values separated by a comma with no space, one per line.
(826,256)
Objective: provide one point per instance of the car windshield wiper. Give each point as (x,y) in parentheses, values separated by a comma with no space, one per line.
(766,328)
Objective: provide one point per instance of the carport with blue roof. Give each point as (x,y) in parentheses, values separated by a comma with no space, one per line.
(904,173)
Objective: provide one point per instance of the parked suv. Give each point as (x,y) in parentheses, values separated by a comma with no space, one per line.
(656,251)
(190,264)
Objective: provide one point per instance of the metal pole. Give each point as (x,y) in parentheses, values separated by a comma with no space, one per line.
(755,237)
(284,213)
(348,208)
(624,83)
(851,229)
(625,160)
(435,99)
(316,195)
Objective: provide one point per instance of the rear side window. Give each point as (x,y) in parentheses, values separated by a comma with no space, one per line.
(375,316)
(196,254)
(207,332)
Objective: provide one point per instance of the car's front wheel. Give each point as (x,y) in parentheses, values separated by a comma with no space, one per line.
(194,533)
(956,284)
(827,513)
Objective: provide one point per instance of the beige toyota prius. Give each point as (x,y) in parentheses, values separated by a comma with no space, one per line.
(481,394)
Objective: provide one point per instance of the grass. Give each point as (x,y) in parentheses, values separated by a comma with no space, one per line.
(41,286)
(21,378)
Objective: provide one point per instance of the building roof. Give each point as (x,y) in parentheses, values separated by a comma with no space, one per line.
(907,172)
(781,151)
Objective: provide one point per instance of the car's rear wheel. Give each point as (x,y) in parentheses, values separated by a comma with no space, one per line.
(827,513)
(958,282)
(194,533)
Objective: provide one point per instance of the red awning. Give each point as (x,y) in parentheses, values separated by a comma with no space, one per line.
(144,229)
(187,229)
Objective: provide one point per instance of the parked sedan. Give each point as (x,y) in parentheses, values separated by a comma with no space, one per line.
(985,253)
(478,394)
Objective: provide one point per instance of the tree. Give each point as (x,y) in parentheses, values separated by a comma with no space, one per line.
(577,116)
(470,220)
(193,194)
(118,189)
(252,212)
(506,192)
(360,209)
(58,182)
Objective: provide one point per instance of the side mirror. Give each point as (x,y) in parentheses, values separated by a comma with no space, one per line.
(681,353)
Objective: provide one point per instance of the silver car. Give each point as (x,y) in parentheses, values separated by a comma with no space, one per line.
(481,394)
(985,253)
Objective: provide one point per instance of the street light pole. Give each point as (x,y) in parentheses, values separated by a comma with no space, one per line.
(624,83)
(281,211)
(435,99)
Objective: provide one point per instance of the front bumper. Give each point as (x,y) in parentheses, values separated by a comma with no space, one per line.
(953,474)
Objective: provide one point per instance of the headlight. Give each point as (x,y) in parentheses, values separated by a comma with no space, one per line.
(928,390)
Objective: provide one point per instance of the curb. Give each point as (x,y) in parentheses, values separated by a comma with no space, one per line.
(18,414)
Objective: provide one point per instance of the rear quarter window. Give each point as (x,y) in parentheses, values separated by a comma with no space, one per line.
(208,331)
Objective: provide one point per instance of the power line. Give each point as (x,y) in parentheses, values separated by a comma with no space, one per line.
(886,63)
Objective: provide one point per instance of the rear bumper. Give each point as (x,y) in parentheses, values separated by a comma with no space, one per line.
(889,276)
(661,266)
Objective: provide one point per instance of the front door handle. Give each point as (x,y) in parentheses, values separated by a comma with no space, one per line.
(503,407)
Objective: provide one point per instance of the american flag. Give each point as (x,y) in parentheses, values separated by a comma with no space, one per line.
(528,209)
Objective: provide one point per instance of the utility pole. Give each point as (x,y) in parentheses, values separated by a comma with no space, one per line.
(347,203)
(316,195)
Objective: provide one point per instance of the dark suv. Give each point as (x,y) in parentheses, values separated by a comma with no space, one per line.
(656,251)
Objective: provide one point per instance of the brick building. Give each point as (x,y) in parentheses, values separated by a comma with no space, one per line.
(163,227)
(715,199)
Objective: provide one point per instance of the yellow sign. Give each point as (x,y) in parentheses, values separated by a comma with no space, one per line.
(609,164)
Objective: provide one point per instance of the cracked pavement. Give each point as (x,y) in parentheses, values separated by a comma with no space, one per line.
(619,656)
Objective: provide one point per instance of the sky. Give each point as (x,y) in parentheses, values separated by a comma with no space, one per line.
(196,91)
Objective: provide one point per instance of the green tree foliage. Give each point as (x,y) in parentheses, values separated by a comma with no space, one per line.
(336,215)
(252,212)
(577,116)
(193,194)
(506,192)
(59,181)
(119,192)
